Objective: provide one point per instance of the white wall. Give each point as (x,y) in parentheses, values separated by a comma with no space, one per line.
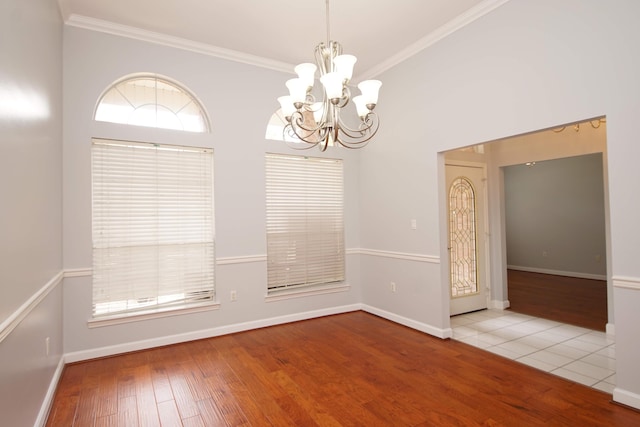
(528,65)
(30,205)
(240,100)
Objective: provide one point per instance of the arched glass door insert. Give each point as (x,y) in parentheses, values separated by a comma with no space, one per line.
(462,238)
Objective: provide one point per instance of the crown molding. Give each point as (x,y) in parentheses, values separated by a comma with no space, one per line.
(450,27)
(87,23)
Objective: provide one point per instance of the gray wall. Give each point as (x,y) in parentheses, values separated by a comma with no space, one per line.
(31,204)
(554,213)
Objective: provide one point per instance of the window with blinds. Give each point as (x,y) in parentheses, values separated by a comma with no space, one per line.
(305,225)
(153,227)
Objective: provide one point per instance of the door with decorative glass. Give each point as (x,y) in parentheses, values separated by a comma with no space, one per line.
(466,237)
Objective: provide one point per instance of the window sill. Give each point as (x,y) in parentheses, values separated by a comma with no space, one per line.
(286,294)
(99,322)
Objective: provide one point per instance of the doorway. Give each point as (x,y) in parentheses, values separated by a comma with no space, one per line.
(571,140)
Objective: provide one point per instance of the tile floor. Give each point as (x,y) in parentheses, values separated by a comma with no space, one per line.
(578,354)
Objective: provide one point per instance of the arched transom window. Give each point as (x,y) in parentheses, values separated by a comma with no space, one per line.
(153,101)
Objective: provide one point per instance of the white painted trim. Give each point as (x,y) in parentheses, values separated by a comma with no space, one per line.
(626,282)
(48,398)
(306,292)
(11,322)
(611,329)
(432,259)
(99,322)
(245,259)
(241,259)
(78,272)
(626,397)
(414,324)
(445,30)
(93,24)
(102,26)
(558,272)
(205,333)
(499,305)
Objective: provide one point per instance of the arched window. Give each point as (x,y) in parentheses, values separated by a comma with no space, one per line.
(154,101)
(152,204)
(275,129)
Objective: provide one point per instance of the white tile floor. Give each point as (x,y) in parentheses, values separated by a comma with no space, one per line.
(578,354)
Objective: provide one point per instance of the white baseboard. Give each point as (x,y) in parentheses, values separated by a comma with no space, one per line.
(558,272)
(423,327)
(499,304)
(205,333)
(48,398)
(626,397)
(611,329)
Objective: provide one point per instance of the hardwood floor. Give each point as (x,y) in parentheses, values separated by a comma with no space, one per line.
(351,369)
(580,302)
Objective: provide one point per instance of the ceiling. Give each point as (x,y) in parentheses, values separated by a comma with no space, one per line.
(281,33)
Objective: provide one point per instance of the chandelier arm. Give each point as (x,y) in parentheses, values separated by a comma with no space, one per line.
(346,97)
(318,135)
(366,126)
(297,121)
(321,54)
(351,138)
(306,144)
(359,143)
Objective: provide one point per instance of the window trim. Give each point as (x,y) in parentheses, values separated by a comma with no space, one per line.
(307,291)
(119,319)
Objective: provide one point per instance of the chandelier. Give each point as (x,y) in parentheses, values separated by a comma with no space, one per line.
(319,123)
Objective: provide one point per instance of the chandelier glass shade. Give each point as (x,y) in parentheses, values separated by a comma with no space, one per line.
(318,123)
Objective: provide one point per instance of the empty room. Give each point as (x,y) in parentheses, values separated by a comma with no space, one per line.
(278,212)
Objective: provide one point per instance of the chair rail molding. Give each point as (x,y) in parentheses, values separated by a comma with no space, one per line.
(8,325)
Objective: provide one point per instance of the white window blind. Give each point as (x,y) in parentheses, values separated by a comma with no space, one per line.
(153,236)
(305,225)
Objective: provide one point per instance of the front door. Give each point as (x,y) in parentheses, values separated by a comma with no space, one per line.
(466,237)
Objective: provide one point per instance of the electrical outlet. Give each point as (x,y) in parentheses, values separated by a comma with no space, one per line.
(393,287)
(233,296)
